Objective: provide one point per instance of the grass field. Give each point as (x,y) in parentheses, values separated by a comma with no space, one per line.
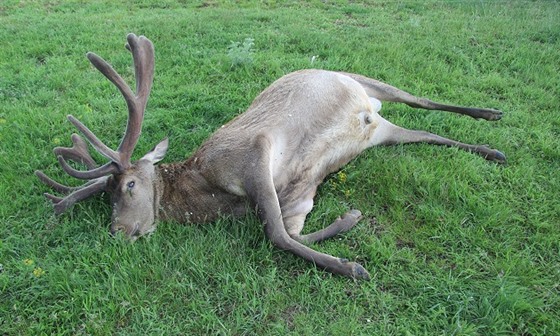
(455,245)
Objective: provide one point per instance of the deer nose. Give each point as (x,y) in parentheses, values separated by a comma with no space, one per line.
(128,231)
(115,229)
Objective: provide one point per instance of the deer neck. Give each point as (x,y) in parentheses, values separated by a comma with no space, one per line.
(187,197)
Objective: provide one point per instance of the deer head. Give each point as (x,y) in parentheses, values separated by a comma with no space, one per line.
(132,185)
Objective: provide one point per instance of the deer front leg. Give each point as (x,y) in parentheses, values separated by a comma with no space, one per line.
(260,188)
(294,225)
(276,232)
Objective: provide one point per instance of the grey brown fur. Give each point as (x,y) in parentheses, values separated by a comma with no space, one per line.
(304,126)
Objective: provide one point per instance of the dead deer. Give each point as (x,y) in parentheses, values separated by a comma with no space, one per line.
(303,127)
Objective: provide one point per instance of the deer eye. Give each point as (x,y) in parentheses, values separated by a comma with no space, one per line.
(130,185)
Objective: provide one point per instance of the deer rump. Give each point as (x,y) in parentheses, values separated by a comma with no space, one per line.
(304,126)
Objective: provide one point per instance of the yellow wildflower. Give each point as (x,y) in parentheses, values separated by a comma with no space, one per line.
(38,272)
(28,262)
(341,176)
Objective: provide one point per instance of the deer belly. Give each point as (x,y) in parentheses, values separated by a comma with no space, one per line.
(298,207)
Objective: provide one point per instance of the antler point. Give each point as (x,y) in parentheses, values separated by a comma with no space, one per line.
(90,56)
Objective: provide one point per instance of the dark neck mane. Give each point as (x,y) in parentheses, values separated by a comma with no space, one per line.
(187,197)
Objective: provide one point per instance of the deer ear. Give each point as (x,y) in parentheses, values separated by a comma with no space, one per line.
(157,154)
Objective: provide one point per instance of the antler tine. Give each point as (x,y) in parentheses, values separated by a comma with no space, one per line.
(78,194)
(61,188)
(106,169)
(143,54)
(77,153)
(142,51)
(73,194)
(94,141)
(110,73)
(128,95)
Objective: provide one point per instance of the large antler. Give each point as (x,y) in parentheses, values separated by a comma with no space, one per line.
(143,54)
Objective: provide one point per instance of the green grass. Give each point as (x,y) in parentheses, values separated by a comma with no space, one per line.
(455,245)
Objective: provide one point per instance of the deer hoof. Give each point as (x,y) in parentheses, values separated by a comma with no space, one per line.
(496,156)
(500,157)
(359,272)
(354,214)
(494,115)
(348,220)
(488,114)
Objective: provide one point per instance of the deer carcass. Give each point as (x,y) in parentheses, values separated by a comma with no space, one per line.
(271,158)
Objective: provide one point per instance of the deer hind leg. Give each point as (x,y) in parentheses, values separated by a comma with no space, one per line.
(294,225)
(386,92)
(260,188)
(388,134)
